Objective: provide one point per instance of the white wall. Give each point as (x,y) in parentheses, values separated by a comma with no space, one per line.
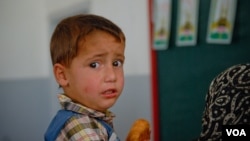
(23,39)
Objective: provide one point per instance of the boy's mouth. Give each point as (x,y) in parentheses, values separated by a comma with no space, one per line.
(110,93)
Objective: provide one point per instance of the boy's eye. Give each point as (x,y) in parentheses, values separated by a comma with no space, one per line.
(94,65)
(117,63)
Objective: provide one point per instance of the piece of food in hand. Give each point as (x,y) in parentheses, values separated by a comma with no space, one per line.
(140,131)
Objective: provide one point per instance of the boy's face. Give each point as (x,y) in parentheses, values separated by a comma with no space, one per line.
(95,77)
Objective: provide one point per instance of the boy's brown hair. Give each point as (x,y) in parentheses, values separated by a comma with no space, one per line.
(71,31)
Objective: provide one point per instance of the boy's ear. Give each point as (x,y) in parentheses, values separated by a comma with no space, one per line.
(60,74)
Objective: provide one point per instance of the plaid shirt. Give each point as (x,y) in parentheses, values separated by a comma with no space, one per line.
(83,126)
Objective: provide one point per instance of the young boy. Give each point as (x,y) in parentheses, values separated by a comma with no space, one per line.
(87,53)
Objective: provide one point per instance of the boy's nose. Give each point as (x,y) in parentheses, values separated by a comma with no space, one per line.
(110,75)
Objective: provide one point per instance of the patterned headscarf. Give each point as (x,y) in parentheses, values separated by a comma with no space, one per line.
(227,102)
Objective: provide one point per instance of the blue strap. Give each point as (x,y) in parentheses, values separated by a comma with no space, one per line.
(57,124)
(59,120)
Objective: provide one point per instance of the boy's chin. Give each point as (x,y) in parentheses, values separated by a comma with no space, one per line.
(107,106)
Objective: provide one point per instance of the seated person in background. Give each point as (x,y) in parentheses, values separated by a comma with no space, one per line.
(227,102)
(140,131)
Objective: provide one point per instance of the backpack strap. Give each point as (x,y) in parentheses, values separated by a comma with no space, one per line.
(62,116)
(57,124)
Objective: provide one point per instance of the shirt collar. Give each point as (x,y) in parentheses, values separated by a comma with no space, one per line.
(68,104)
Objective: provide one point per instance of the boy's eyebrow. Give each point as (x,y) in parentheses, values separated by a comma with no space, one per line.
(121,55)
(104,54)
(96,56)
